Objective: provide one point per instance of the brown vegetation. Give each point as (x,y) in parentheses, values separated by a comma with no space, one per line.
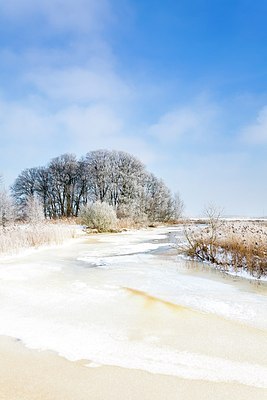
(230,245)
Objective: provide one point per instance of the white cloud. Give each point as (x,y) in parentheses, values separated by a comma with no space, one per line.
(34,134)
(69,95)
(196,120)
(20,123)
(257,132)
(94,83)
(80,70)
(78,15)
(27,124)
(92,122)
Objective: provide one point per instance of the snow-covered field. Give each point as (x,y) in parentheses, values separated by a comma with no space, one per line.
(128,300)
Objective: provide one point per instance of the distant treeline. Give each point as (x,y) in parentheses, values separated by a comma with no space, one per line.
(118,178)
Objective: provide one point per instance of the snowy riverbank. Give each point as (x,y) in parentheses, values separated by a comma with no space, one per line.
(125,300)
(236,247)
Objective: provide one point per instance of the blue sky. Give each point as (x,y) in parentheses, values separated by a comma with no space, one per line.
(181,85)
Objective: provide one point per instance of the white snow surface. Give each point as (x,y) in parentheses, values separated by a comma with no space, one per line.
(77,301)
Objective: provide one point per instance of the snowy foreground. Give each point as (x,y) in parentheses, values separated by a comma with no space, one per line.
(128,300)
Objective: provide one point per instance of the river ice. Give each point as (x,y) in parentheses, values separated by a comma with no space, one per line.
(128,300)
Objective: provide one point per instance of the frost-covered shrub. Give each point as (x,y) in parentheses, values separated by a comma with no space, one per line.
(132,212)
(34,211)
(7,211)
(100,216)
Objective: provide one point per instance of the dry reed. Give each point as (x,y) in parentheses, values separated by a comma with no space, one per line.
(238,246)
(22,236)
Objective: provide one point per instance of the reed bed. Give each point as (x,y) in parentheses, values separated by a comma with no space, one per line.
(231,246)
(22,236)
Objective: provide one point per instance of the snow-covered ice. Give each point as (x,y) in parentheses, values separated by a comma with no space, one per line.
(127,300)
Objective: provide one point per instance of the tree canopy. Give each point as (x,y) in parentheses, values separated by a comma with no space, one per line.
(66,184)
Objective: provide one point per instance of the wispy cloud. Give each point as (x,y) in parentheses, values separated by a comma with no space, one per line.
(69,97)
(195,121)
(42,133)
(71,83)
(76,84)
(87,124)
(256,132)
(81,15)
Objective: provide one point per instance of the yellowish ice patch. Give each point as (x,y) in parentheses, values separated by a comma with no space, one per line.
(151,300)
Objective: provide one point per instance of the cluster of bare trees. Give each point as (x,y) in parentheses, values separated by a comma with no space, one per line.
(67,184)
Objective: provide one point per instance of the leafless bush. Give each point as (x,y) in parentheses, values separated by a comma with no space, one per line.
(230,245)
(100,216)
(34,211)
(178,206)
(7,210)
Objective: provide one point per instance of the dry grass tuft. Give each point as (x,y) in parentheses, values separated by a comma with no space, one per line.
(130,223)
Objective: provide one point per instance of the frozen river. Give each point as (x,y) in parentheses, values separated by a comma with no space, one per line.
(128,300)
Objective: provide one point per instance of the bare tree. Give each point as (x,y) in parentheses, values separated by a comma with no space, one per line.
(63,172)
(34,210)
(178,206)
(127,182)
(202,243)
(82,188)
(114,177)
(43,189)
(158,199)
(25,185)
(7,210)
